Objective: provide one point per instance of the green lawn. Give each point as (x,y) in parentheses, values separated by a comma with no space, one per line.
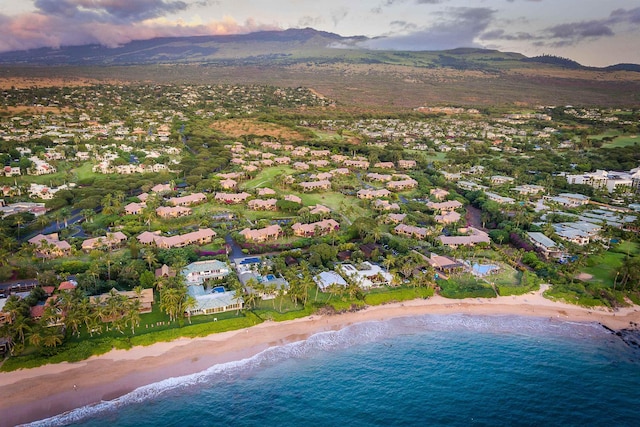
(603,267)
(85,171)
(623,141)
(265,177)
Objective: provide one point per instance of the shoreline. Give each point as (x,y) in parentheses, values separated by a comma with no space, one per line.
(38,393)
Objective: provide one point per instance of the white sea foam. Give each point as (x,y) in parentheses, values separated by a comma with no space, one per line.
(356,334)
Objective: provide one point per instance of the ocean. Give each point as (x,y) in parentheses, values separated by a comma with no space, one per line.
(449,370)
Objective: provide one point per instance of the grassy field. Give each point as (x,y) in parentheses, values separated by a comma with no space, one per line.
(84,172)
(265,178)
(603,267)
(623,141)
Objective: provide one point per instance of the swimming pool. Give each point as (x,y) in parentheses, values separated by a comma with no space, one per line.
(270,277)
(484,269)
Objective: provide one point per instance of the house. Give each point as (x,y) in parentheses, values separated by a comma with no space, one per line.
(49,246)
(228,184)
(12,171)
(528,189)
(438,193)
(315,185)
(110,241)
(319,228)
(262,205)
(293,198)
(67,286)
(384,205)
(447,218)
(191,199)
(198,272)
(318,163)
(367,275)
(396,218)
(569,200)
(473,237)
(406,164)
(145,298)
(301,166)
(200,237)
(134,208)
(319,210)
(545,245)
(447,206)
(443,264)
(498,198)
(212,302)
(471,186)
(500,180)
(411,231)
(266,192)
(372,176)
(366,193)
(356,164)
(384,165)
(327,279)
(402,185)
(161,188)
(232,197)
(173,211)
(164,271)
(271,232)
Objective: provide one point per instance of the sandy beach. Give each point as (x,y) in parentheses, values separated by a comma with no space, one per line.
(34,394)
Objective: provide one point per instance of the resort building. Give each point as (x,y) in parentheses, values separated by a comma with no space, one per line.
(262,205)
(545,245)
(167,212)
(438,193)
(49,246)
(396,218)
(569,200)
(500,180)
(406,164)
(231,197)
(315,185)
(198,272)
(411,231)
(384,205)
(402,185)
(319,210)
(528,189)
(367,275)
(293,198)
(368,194)
(110,241)
(447,218)
(266,192)
(271,232)
(189,200)
(212,302)
(326,279)
(319,228)
(448,206)
(134,208)
(473,237)
(200,237)
(498,198)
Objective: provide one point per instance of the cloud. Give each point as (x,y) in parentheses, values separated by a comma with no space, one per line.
(337,15)
(109,10)
(455,27)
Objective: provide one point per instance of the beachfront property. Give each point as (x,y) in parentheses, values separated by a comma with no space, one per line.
(327,279)
(212,302)
(200,237)
(271,232)
(50,246)
(145,297)
(366,275)
(545,245)
(473,237)
(319,228)
(443,264)
(267,286)
(198,272)
(110,241)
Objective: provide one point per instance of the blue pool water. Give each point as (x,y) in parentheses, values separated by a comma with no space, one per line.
(451,370)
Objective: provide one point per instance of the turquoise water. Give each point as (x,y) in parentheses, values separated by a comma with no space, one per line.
(431,370)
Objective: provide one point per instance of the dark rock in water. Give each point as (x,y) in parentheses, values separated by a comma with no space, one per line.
(631,337)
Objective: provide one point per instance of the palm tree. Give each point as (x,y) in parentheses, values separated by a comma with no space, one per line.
(36,336)
(20,327)
(189,304)
(88,214)
(133,314)
(150,258)
(51,338)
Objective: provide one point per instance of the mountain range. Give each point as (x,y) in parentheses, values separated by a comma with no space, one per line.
(285,47)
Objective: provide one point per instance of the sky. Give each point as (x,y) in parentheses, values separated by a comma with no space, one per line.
(592,32)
